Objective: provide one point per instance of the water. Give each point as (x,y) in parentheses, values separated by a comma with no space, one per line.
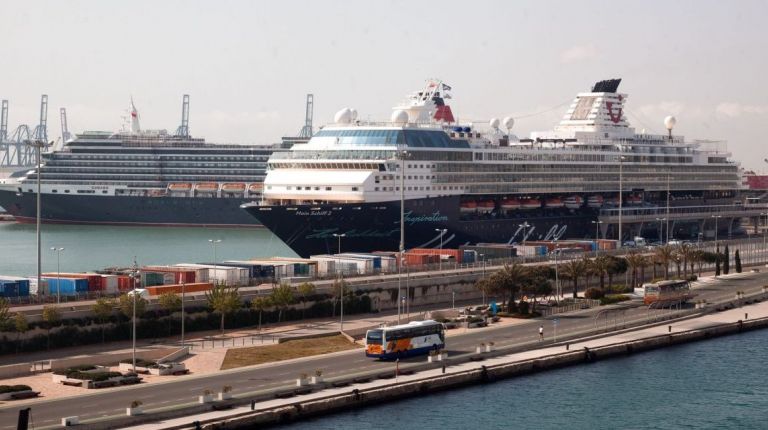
(96,247)
(713,384)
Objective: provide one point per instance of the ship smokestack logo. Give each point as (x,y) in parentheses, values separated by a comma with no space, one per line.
(615,118)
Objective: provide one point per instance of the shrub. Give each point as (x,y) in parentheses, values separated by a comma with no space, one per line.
(14,388)
(613,298)
(522,308)
(594,293)
(139,362)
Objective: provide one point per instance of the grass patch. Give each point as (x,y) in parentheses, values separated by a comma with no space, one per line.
(285,351)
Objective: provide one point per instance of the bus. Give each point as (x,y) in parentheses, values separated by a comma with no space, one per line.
(667,292)
(414,338)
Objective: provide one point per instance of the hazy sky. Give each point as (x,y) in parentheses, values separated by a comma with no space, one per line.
(247,65)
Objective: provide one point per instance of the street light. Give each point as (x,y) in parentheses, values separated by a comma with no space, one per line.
(38,144)
(557,276)
(442,232)
(661,237)
(482,258)
(183,290)
(524,226)
(135,273)
(339,236)
(58,274)
(402,155)
(215,269)
(716,217)
(765,226)
(597,235)
(621,197)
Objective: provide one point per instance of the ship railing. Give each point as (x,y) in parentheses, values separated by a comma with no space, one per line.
(678,210)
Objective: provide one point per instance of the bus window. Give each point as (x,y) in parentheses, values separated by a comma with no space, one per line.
(374,337)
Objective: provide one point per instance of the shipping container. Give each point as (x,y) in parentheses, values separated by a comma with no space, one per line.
(40,290)
(220,274)
(124,283)
(109,283)
(14,286)
(347,265)
(469,255)
(178,288)
(445,253)
(179,274)
(67,286)
(416,260)
(95,281)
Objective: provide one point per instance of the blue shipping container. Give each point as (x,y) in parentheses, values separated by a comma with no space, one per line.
(9,289)
(69,286)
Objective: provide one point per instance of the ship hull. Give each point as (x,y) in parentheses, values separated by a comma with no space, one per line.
(127,210)
(309,229)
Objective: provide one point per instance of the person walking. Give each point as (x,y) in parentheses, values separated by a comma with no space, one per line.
(541,333)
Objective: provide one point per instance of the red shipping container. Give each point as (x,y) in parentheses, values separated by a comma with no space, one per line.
(176,288)
(124,283)
(449,253)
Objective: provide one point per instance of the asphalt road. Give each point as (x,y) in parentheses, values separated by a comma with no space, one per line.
(93,404)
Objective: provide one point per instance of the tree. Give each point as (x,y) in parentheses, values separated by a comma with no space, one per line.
(305,290)
(687,254)
(574,270)
(259,304)
(634,260)
(282,296)
(600,267)
(737,261)
(126,301)
(616,266)
(718,260)
(22,326)
(726,261)
(511,279)
(538,283)
(51,316)
(170,302)
(338,286)
(102,310)
(664,255)
(224,300)
(5,313)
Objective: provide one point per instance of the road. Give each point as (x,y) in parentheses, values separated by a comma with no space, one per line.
(275,375)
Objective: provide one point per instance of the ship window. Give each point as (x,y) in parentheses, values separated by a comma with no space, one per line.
(103,191)
(328,188)
(55,191)
(66,191)
(354,188)
(287,188)
(317,188)
(376,189)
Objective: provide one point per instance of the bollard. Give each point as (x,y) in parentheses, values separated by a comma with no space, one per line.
(253,405)
(669,328)
(567,347)
(197,425)
(746,315)
(443,367)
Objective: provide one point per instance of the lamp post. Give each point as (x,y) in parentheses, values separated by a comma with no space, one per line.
(482,258)
(135,273)
(765,226)
(716,217)
(524,226)
(183,290)
(402,154)
(58,274)
(661,236)
(621,196)
(213,243)
(597,235)
(341,301)
(557,275)
(38,144)
(339,236)
(440,261)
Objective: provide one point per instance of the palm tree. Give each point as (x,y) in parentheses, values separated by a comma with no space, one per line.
(511,279)
(616,266)
(224,299)
(686,253)
(600,267)
(574,270)
(589,271)
(664,255)
(634,261)
(538,283)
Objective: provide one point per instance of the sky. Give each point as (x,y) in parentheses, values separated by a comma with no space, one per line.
(248,65)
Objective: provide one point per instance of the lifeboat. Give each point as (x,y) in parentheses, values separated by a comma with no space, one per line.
(486,206)
(574,202)
(595,201)
(634,200)
(554,203)
(468,207)
(530,204)
(179,186)
(613,201)
(508,204)
(207,187)
(233,187)
(255,188)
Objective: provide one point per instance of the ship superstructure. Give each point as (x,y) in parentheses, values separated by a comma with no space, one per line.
(143,177)
(483,185)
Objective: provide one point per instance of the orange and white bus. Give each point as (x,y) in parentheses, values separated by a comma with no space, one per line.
(667,292)
(414,338)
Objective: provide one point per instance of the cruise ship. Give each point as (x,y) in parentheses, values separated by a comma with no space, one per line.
(463,183)
(141,177)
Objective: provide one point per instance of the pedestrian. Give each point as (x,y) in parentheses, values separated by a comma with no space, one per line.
(541,333)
